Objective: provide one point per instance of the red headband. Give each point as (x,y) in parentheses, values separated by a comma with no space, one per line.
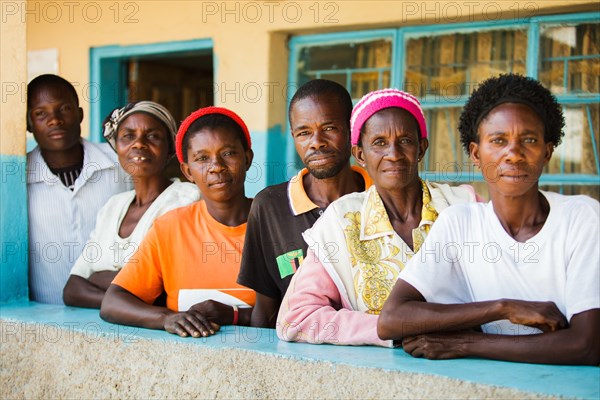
(200,113)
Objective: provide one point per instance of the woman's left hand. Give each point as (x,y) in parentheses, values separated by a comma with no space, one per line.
(214,311)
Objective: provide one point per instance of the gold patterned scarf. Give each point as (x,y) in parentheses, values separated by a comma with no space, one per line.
(359,249)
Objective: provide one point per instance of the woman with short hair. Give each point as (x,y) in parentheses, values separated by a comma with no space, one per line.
(522,281)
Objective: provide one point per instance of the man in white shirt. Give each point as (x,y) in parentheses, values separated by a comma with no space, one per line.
(68,180)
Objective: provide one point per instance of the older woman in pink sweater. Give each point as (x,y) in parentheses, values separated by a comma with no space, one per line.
(363,240)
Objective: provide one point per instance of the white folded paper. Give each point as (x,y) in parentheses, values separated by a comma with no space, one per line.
(189,297)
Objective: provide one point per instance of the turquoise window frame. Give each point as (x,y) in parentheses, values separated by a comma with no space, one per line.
(331,39)
(108,85)
(400,36)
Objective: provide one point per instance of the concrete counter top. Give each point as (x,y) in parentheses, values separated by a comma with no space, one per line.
(56,351)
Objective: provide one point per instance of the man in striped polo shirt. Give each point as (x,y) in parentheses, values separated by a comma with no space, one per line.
(274,248)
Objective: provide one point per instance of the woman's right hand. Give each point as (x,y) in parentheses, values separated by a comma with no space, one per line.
(190,323)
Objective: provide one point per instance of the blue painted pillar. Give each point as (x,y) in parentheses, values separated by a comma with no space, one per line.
(13,184)
(13,229)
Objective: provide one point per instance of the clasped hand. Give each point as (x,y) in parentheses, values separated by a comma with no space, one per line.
(544,316)
(201,320)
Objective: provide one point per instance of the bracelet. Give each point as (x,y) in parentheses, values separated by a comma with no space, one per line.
(236,315)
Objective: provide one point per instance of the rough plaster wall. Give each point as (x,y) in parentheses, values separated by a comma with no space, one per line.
(41,361)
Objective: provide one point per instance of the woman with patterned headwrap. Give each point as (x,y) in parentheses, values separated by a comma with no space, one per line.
(362,241)
(143,136)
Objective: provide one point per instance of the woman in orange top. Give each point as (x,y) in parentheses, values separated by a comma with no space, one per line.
(193,253)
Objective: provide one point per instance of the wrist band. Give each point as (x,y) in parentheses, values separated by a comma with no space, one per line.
(236,314)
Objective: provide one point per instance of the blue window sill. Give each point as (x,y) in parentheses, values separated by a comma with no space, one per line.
(568,381)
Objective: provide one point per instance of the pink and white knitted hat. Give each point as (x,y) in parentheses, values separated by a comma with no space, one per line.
(385,98)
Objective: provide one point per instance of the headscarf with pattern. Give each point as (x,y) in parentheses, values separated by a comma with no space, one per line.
(118,115)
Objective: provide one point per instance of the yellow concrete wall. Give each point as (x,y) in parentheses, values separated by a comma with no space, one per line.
(249,36)
(13,67)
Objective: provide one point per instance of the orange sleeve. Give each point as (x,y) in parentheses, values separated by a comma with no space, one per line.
(142,275)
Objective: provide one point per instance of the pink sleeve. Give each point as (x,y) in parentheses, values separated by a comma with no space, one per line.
(476,195)
(312,311)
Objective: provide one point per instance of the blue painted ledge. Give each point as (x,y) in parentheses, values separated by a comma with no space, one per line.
(567,381)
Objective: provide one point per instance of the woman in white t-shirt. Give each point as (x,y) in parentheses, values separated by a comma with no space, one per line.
(142,134)
(518,278)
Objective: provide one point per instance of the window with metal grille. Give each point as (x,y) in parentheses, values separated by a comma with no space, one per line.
(442,64)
